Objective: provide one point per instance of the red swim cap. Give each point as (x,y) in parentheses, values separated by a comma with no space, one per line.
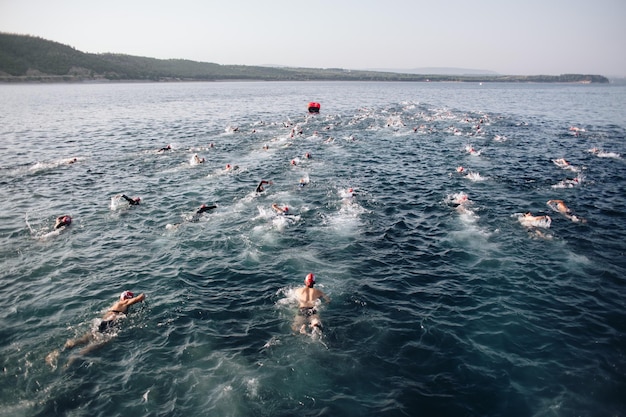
(309,280)
(286,208)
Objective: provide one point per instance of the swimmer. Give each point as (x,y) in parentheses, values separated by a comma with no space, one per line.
(131,201)
(166,148)
(528,220)
(576,130)
(461,199)
(62,221)
(202,209)
(569,183)
(560,162)
(194,218)
(603,154)
(195,159)
(303,181)
(266,147)
(280,210)
(470,149)
(561,207)
(293,162)
(460,169)
(347,194)
(260,188)
(71,161)
(461,203)
(109,323)
(307,306)
(307,155)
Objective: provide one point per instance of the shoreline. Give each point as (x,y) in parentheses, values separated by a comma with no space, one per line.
(64,79)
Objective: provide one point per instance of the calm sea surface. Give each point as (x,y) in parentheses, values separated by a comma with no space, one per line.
(437,308)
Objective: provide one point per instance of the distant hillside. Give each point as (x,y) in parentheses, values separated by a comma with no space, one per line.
(439,71)
(32,59)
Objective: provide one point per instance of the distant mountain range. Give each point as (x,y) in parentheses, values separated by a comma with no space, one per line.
(31,59)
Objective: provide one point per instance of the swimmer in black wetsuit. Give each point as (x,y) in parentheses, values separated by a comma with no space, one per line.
(259,188)
(132,201)
(203,208)
(195,217)
(167,148)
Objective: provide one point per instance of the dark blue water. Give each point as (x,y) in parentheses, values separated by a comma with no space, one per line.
(437,309)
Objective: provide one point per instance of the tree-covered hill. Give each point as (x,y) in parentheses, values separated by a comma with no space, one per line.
(27,58)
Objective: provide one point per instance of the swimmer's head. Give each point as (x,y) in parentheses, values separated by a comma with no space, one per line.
(350,190)
(309,281)
(227,166)
(126,295)
(137,200)
(67,219)
(286,209)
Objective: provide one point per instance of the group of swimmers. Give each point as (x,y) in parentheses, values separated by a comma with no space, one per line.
(307,320)
(462,202)
(308,297)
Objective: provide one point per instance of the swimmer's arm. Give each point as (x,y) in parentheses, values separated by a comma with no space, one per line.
(136,300)
(203,209)
(125,197)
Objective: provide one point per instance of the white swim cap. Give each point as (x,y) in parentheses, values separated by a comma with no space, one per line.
(126,295)
(309,280)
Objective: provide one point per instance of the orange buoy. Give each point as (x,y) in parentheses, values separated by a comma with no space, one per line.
(314,107)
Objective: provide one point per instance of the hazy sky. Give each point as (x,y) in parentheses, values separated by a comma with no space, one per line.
(506,36)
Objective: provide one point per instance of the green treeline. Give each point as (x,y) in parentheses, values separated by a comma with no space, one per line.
(31,59)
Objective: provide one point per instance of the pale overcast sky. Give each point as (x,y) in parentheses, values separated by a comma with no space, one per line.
(507,36)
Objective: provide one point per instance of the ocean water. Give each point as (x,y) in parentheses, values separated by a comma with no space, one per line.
(445,301)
